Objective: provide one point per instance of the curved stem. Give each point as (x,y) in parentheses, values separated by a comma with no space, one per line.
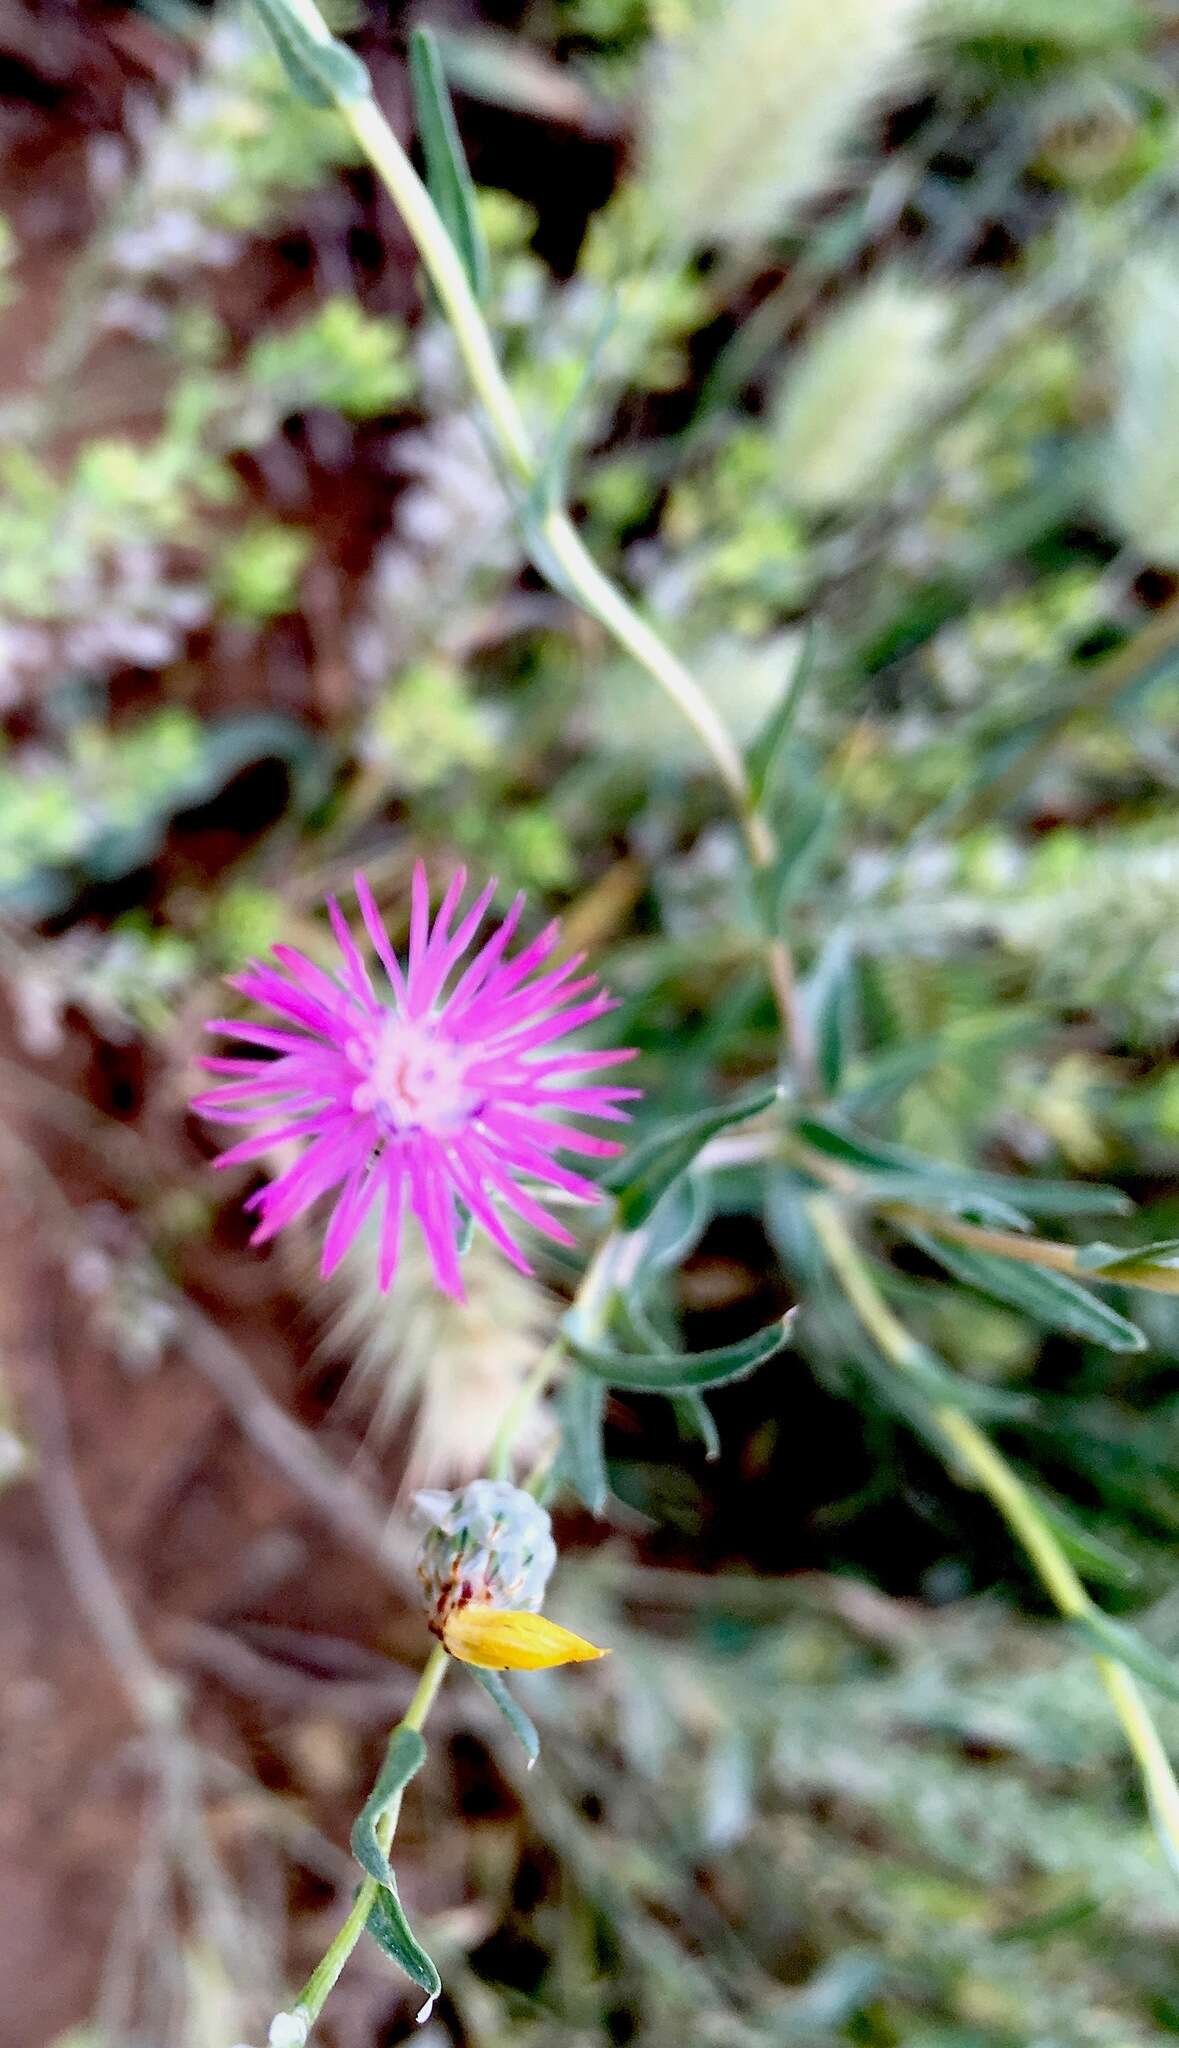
(989,1470)
(311,1998)
(588,583)
(617,1248)
(1004,1244)
(606,603)
(590,1301)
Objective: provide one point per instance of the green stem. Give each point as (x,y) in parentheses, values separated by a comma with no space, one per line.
(548,1365)
(1035,1251)
(591,1300)
(588,583)
(990,1471)
(311,1998)
(1004,1244)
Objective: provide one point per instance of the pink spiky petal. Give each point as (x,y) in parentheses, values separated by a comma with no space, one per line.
(405,1098)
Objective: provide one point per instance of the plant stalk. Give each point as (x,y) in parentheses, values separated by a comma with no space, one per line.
(591,1300)
(311,1998)
(990,1471)
(593,589)
(1004,1244)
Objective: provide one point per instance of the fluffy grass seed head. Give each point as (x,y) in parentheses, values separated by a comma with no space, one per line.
(1139,473)
(859,392)
(750,108)
(406,1089)
(486,1557)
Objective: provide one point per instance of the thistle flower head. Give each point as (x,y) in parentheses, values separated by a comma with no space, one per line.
(486,1557)
(407,1091)
(490,1542)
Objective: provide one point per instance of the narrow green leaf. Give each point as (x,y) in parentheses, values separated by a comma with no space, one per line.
(405,1755)
(581,1405)
(321,71)
(676,1226)
(802,844)
(1093,1557)
(504,71)
(1049,1298)
(387,1922)
(677,1372)
(963,1189)
(1034,1927)
(695,1418)
(946,1389)
(892,1175)
(656,1162)
(832,998)
(518,1721)
(1119,1640)
(765,754)
(919,1395)
(544,560)
(1073,25)
(1109,1258)
(391,1931)
(447,175)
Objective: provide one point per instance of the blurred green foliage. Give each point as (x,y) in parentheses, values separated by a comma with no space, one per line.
(909,410)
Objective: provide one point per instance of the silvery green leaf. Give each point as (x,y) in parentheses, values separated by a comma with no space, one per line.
(677,1372)
(447,174)
(521,1725)
(1094,1558)
(404,1757)
(966,1190)
(832,998)
(391,1931)
(649,1170)
(696,1419)
(765,754)
(580,1406)
(802,844)
(1049,1298)
(1110,1258)
(1119,1640)
(322,71)
(549,487)
(387,1922)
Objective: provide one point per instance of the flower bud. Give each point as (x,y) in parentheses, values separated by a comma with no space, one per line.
(484,1563)
(288,2030)
(489,1545)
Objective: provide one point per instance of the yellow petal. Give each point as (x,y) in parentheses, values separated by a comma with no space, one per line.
(505,1641)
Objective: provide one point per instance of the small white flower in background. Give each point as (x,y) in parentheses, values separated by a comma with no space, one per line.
(288,2030)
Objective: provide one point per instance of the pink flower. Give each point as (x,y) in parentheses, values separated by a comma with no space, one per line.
(403,1091)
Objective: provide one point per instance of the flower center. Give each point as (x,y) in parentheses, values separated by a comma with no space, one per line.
(414,1079)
